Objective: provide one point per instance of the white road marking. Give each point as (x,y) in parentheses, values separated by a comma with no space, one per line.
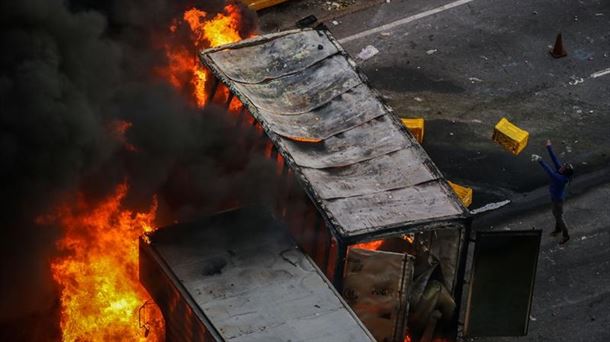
(600,73)
(403,21)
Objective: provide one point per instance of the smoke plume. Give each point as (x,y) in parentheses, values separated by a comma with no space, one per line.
(69,72)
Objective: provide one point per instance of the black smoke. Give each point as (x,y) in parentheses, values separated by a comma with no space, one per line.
(68,71)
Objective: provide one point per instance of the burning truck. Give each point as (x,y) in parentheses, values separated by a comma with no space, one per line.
(366,206)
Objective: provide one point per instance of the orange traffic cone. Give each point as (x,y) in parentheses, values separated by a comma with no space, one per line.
(558,50)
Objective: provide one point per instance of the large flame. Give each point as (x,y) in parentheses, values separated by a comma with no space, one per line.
(101,295)
(184,71)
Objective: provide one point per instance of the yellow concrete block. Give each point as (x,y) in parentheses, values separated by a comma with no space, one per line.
(256,5)
(463,193)
(511,137)
(416,126)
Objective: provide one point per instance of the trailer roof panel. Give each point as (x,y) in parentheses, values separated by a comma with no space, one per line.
(265,58)
(352,108)
(361,214)
(255,289)
(347,147)
(369,140)
(371,176)
(300,92)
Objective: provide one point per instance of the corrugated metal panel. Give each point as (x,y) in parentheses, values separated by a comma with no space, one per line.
(262,289)
(303,91)
(352,108)
(371,176)
(359,214)
(335,131)
(369,140)
(266,59)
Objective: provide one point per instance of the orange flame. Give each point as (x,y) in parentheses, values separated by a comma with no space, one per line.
(371,245)
(119,128)
(375,245)
(98,272)
(184,70)
(101,296)
(235,105)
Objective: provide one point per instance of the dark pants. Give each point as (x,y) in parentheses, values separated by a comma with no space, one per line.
(560,223)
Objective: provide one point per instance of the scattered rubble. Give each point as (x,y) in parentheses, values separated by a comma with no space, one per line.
(368,52)
(489,207)
(576,80)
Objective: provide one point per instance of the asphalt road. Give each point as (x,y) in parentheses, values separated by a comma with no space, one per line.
(464,68)
(571,297)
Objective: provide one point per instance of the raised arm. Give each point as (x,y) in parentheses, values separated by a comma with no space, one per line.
(549,148)
(549,171)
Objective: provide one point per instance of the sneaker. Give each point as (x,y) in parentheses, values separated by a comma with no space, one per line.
(564,240)
(555,233)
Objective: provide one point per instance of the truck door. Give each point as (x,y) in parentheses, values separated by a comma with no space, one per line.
(502,283)
(376,285)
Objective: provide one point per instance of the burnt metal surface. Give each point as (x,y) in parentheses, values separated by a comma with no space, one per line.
(301,92)
(362,168)
(352,108)
(371,176)
(262,289)
(364,142)
(417,203)
(267,60)
(377,287)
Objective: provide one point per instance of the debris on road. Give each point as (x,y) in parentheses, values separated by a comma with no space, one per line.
(307,21)
(418,99)
(429,52)
(416,127)
(475,80)
(509,136)
(600,73)
(368,52)
(489,207)
(464,193)
(576,80)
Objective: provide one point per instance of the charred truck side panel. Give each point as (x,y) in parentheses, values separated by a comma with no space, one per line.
(238,276)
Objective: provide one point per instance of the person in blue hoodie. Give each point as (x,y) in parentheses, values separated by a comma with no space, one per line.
(560,175)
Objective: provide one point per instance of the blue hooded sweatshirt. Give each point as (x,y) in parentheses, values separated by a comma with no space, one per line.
(558,181)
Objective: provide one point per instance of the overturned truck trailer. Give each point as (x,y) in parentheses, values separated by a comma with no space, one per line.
(361,197)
